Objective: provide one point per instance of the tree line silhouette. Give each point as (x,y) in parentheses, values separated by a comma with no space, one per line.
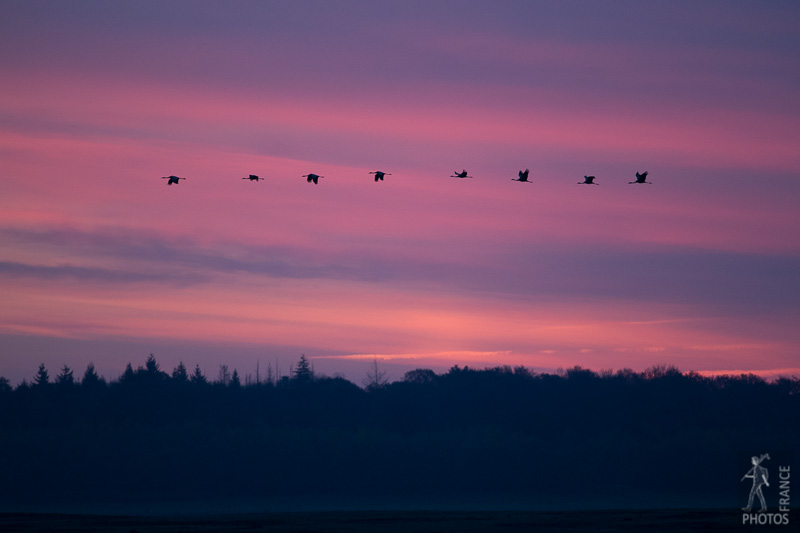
(491,432)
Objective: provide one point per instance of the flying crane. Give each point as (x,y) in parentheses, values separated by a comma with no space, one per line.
(523,176)
(172,179)
(379,175)
(640,178)
(313,178)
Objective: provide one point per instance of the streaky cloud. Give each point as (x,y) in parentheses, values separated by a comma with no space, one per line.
(730,282)
(92,274)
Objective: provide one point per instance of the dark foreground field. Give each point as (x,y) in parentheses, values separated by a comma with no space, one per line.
(508,445)
(652,521)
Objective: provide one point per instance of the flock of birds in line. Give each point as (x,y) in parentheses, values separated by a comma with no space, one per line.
(523,177)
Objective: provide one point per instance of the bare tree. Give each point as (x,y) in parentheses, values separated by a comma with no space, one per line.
(375,377)
(270,375)
(224,376)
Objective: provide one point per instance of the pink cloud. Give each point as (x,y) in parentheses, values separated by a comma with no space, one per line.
(95,245)
(545,118)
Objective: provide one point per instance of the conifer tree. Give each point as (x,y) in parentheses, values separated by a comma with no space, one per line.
(153,369)
(42,377)
(65,378)
(303,372)
(197,376)
(91,379)
(128,375)
(180,374)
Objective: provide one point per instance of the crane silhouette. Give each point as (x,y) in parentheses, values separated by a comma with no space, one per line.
(640,178)
(587,180)
(462,174)
(313,178)
(379,175)
(523,176)
(253,177)
(172,179)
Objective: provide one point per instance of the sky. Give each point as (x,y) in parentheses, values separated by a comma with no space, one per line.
(102,262)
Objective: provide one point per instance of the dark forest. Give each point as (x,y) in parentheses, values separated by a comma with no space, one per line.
(488,434)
